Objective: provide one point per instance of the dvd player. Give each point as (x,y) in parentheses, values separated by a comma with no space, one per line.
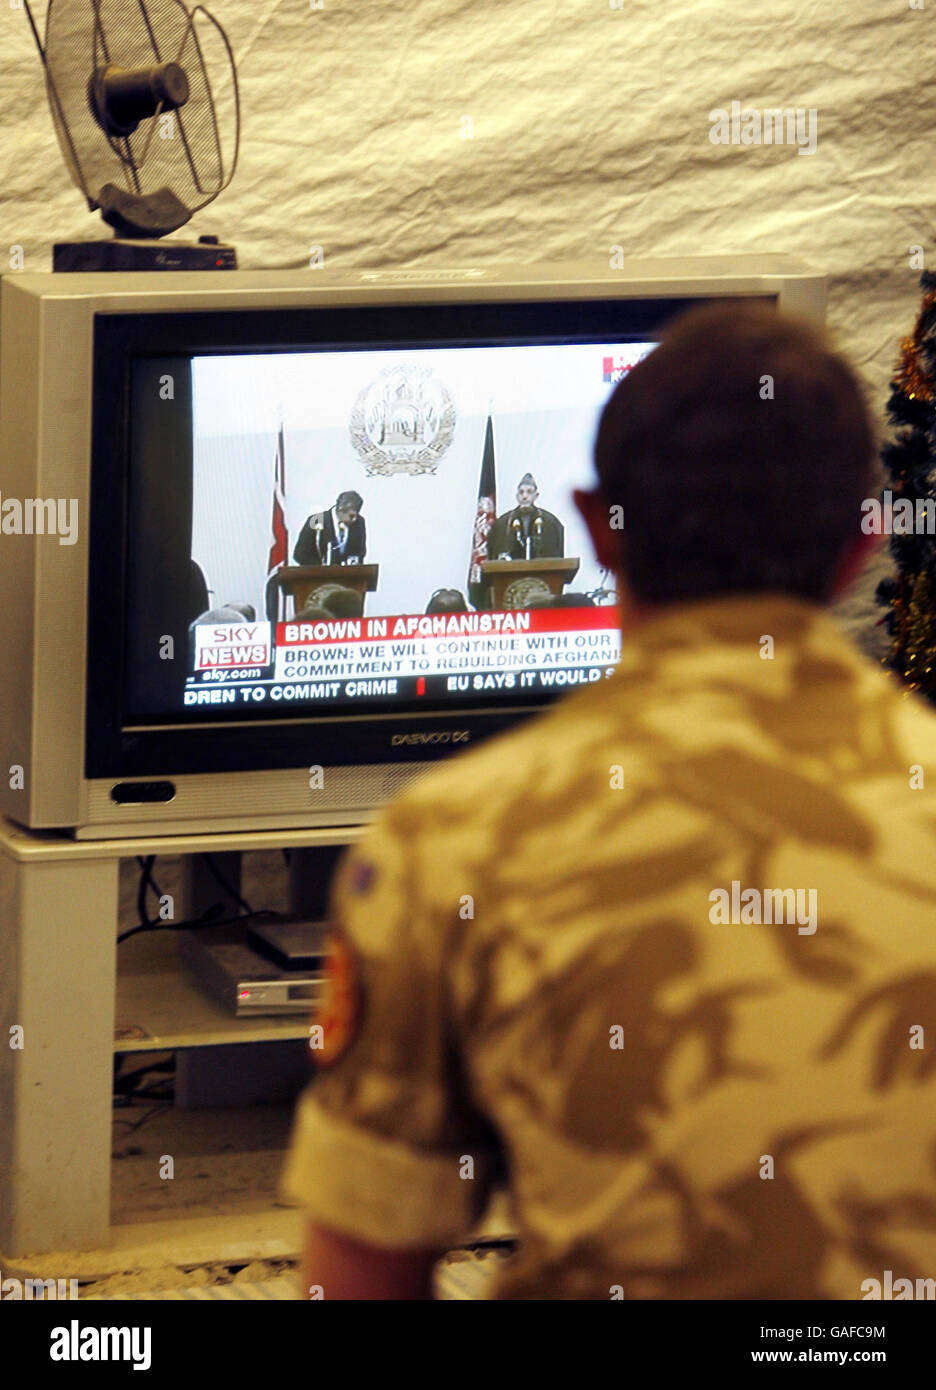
(248,984)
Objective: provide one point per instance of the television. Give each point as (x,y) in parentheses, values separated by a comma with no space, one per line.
(273,543)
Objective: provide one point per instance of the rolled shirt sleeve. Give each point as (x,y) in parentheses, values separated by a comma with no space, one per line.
(387,1146)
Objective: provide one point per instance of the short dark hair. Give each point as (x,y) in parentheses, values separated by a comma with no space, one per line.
(573,600)
(248,610)
(447,601)
(349,499)
(738,453)
(340,601)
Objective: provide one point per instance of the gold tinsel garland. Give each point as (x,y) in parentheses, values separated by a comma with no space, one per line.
(912,378)
(914,642)
(919,652)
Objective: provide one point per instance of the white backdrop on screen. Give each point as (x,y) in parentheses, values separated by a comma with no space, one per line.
(435,132)
(544,404)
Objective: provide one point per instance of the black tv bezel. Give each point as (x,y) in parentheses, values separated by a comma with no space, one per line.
(113,748)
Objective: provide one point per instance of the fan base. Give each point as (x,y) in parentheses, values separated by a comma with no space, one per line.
(120,253)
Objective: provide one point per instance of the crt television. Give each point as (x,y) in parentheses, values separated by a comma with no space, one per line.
(273,543)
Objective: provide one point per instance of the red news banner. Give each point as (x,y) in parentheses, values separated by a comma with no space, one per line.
(448,644)
(402,657)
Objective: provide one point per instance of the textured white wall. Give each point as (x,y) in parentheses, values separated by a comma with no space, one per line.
(589,128)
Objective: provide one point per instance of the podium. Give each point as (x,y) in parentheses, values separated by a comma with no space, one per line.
(512,583)
(301,581)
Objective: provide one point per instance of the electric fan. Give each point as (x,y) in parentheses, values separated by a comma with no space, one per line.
(139,118)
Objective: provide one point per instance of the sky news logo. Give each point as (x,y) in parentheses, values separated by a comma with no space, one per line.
(616,368)
(232,645)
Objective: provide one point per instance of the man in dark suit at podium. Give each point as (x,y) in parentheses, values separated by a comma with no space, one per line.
(335,537)
(527,532)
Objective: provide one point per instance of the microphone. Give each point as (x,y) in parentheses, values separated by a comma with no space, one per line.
(526,542)
(538,531)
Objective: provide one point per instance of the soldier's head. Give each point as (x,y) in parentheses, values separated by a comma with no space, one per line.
(348,507)
(733,459)
(527,491)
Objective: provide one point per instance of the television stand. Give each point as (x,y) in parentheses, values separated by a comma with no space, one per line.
(58,983)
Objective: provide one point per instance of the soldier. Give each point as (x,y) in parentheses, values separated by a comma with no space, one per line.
(536,956)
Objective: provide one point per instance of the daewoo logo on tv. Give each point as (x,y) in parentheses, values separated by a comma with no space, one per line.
(458,736)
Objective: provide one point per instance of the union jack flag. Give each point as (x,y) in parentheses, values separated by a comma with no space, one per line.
(279,546)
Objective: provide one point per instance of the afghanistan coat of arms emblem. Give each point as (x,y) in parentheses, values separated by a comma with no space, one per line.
(403,421)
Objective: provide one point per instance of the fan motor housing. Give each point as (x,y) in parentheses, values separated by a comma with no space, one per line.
(120,98)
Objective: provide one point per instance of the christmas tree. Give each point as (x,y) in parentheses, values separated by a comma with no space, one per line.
(910,465)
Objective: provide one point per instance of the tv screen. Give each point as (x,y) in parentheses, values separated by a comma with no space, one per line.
(326,533)
(391,476)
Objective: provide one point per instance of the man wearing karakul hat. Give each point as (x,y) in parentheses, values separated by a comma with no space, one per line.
(526,532)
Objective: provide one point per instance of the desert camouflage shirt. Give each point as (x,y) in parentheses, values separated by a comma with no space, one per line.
(664,957)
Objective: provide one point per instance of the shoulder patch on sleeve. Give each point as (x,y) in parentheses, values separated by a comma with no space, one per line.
(362,876)
(338,1014)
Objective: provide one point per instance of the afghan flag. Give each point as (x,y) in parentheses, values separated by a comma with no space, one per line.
(279,546)
(484,517)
